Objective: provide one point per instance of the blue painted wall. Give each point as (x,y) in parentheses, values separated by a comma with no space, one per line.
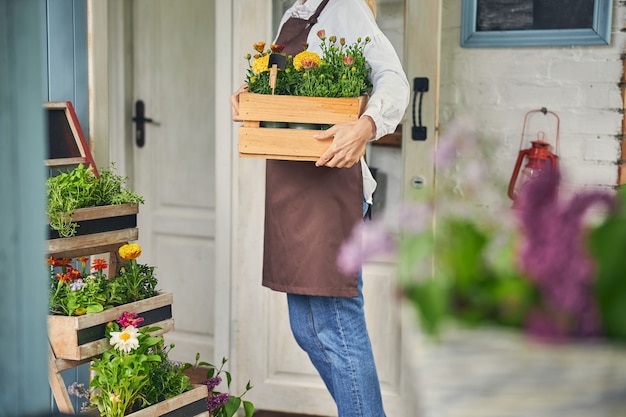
(66,67)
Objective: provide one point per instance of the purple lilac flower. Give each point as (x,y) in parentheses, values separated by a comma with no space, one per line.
(77,285)
(211,383)
(217,400)
(555,256)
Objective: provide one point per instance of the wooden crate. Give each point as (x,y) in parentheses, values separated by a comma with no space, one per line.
(81,337)
(291,144)
(101,229)
(190,403)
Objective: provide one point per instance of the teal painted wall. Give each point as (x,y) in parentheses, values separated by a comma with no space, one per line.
(23,298)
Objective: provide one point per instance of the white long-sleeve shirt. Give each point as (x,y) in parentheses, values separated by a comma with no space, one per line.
(352,19)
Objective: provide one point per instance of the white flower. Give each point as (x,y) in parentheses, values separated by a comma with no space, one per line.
(126,340)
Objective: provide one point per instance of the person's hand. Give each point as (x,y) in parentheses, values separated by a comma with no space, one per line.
(234,102)
(348,145)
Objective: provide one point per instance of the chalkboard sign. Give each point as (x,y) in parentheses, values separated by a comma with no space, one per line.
(491,23)
(67,146)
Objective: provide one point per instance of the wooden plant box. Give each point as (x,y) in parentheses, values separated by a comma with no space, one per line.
(81,337)
(190,403)
(103,229)
(291,144)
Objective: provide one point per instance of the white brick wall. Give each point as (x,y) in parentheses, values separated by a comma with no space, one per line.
(497,86)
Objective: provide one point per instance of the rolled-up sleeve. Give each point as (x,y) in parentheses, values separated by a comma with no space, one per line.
(391,92)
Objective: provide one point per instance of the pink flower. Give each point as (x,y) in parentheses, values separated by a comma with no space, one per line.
(348,60)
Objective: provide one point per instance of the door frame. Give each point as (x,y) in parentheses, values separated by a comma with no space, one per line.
(110,79)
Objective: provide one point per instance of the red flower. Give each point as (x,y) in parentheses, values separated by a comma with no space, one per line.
(99,264)
(64,277)
(63,262)
(277,48)
(74,273)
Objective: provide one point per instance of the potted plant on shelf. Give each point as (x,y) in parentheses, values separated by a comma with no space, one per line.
(309,92)
(74,194)
(134,376)
(83,298)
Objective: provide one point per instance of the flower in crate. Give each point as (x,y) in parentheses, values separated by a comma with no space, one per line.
(78,289)
(341,70)
(135,281)
(134,372)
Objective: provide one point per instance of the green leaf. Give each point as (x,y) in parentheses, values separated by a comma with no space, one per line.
(249,408)
(232,406)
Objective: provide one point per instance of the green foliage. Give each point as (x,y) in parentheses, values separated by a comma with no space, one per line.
(79,188)
(475,281)
(341,71)
(607,242)
(213,378)
(121,379)
(76,291)
(135,281)
(167,379)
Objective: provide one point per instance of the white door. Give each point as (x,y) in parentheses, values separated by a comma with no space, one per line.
(266,353)
(173,74)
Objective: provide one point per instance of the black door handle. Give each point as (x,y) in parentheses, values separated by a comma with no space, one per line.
(140,120)
(420,85)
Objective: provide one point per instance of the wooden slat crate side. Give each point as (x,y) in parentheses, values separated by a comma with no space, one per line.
(199,392)
(90,213)
(97,347)
(89,243)
(321,110)
(281,143)
(63,330)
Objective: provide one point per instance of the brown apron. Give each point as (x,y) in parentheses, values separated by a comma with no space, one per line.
(309,211)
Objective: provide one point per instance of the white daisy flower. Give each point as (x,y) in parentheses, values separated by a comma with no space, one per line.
(126,340)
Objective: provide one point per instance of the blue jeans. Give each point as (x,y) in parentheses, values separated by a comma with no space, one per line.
(332,331)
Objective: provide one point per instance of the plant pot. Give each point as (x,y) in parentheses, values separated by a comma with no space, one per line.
(305,126)
(82,337)
(291,144)
(190,403)
(100,228)
(495,372)
(275,125)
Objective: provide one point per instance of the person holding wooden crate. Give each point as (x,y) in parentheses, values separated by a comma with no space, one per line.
(312,207)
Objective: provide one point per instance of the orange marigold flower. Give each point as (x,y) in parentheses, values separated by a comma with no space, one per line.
(74,273)
(99,264)
(51,261)
(63,262)
(259,46)
(63,277)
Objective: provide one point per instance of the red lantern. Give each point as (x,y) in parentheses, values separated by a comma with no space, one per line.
(538,157)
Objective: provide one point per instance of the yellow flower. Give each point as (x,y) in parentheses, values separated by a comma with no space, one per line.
(130,251)
(306,59)
(259,65)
